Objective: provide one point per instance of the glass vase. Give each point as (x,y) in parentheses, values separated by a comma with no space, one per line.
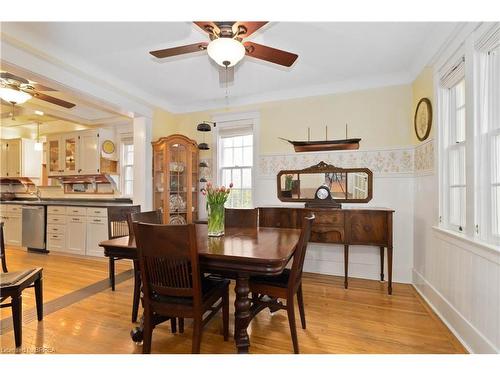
(215,219)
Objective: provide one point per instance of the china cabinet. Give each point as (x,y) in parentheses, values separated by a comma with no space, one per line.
(175,178)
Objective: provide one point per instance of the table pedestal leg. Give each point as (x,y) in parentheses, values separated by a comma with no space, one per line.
(241,314)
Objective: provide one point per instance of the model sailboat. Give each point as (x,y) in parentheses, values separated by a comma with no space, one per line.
(326,145)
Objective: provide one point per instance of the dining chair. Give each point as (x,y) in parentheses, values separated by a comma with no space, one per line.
(118,227)
(12,285)
(267,290)
(241,217)
(173,285)
(151,217)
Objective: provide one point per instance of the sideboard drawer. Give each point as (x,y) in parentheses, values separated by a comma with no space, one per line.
(327,233)
(329,218)
(367,228)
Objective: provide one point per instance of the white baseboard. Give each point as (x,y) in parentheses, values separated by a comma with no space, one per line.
(473,340)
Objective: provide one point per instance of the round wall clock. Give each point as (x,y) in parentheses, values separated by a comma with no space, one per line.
(108,147)
(423,119)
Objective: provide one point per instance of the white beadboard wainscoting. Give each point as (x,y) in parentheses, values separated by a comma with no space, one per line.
(459,279)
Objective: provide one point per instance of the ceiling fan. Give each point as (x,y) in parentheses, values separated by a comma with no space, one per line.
(227,46)
(17,90)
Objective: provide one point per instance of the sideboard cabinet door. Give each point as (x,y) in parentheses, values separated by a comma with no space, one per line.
(367,228)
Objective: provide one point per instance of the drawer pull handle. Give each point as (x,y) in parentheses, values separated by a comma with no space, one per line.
(97,221)
(97,212)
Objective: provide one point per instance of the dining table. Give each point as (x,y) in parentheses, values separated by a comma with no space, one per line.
(239,254)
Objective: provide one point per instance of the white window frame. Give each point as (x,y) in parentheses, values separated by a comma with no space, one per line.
(479,153)
(233,121)
(125,141)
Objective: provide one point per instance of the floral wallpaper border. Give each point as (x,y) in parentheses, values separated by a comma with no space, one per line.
(424,157)
(402,160)
(412,159)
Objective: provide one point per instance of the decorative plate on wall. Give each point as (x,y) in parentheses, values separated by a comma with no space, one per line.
(108,147)
(423,119)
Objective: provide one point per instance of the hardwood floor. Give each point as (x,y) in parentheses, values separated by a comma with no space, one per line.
(83,315)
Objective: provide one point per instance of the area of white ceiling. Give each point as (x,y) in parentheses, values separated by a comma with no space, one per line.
(333,57)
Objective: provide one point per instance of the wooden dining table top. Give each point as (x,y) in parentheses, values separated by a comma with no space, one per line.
(253,250)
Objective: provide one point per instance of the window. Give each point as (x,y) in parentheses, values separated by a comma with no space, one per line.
(235,149)
(456,157)
(127,162)
(469,135)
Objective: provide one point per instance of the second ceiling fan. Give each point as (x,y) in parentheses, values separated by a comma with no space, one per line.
(226,46)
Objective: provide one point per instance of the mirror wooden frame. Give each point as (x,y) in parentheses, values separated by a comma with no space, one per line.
(323,167)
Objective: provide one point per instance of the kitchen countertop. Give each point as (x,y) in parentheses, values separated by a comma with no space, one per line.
(70,202)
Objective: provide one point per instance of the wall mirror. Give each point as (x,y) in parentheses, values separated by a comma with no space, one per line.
(325,185)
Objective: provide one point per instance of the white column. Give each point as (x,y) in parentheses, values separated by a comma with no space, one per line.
(143,163)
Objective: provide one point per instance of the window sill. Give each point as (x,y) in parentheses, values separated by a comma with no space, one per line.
(486,250)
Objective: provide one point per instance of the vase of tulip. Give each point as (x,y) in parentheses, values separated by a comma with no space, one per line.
(216,197)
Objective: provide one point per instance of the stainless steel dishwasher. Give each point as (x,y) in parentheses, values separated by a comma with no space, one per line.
(33,229)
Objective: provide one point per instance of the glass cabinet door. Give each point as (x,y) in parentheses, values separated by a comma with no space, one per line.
(53,153)
(70,154)
(159,178)
(178,188)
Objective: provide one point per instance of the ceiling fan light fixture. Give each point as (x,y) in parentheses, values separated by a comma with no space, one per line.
(226,52)
(14,96)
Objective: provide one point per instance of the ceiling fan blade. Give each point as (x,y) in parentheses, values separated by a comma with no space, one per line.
(40,87)
(51,99)
(273,55)
(168,52)
(250,27)
(10,76)
(226,76)
(208,26)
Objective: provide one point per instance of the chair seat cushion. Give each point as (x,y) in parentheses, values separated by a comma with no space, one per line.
(280,280)
(209,287)
(11,278)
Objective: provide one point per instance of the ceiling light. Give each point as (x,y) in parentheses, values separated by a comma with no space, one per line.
(14,96)
(39,113)
(226,52)
(38,144)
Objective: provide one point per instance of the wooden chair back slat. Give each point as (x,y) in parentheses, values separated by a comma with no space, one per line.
(168,259)
(117,220)
(241,217)
(300,252)
(2,249)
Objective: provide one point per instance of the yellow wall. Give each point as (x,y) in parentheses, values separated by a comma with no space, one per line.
(423,87)
(379,116)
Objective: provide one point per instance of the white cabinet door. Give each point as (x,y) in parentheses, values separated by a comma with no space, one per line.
(14,158)
(88,153)
(3,158)
(76,229)
(97,231)
(12,229)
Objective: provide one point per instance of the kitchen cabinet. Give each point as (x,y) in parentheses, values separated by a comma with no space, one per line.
(97,231)
(89,153)
(76,233)
(77,153)
(11,216)
(18,158)
(77,230)
(70,146)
